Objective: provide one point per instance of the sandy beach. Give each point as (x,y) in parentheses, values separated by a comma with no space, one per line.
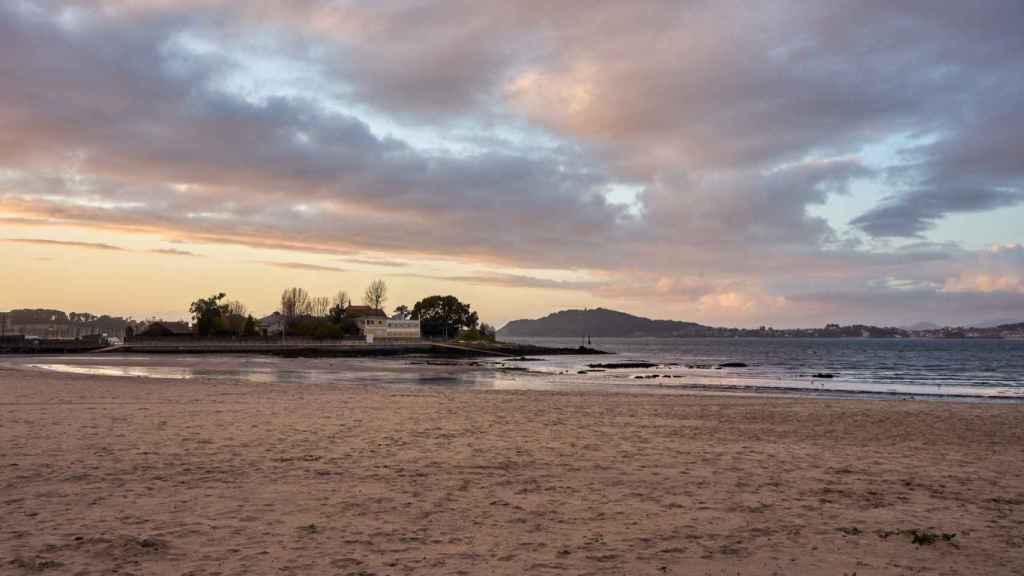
(105,475)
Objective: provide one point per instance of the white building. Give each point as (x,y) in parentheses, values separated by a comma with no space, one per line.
(396,328)
(376,325)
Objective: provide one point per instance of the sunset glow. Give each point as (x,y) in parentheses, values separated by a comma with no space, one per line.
(827,163)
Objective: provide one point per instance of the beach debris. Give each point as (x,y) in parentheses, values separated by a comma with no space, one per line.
(302,458)
(919,537)
(623,365)
(823,375)
(148,542)
(309,529)
(700,366)
(850,530)
(925,537)
(35,565)
(732,365)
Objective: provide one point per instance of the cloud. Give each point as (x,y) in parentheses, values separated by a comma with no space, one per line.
(173,252)
(301,266)
(984,283)
(67,244)
(256,163)
(913,213)
(514,281)
(492,133)
(376,262)
(901,308)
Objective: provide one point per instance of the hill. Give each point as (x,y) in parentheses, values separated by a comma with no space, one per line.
(998,323)
(599,323)
(604,323)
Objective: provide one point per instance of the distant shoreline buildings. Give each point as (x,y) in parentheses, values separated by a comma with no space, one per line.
(45,323)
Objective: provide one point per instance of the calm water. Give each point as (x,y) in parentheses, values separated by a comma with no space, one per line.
(881,366)
(934,368)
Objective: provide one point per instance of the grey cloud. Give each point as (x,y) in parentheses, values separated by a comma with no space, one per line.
(250,163)
(913,213)
(749,209)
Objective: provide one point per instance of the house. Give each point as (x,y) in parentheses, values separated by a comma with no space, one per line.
(272,325)
(372,323)
(375,324)
(166,330)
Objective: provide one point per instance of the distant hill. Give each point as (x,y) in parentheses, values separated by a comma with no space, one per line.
(1015,327)
(599,323)
(995,323)
(604,323)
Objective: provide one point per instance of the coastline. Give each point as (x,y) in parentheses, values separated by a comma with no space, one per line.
(305,349)
(203,475)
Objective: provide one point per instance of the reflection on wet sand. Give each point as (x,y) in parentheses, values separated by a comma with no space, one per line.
(564,373)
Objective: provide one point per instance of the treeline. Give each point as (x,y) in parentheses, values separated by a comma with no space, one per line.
(322,317)
(213,316)
(303,315)
(447,317)
(62,324)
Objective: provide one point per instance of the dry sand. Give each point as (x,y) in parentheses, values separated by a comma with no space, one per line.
(104,475)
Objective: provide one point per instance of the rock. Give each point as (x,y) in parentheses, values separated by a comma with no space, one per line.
(732,365)
(623,365)
(823,375)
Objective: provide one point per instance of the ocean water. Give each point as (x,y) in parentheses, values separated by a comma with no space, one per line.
(951,369)
(933,367)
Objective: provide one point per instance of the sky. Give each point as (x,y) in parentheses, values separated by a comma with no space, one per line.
(730,163)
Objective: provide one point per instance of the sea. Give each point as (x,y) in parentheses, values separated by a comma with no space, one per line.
(950,368)
(954,369)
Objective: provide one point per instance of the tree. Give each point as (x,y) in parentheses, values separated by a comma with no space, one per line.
(207,313)
(294,303)
(487,332)
(249,329)
(234,317)
(319,306)
(341,299)
(235,307)
(402,312)
(443,316)
(376,294)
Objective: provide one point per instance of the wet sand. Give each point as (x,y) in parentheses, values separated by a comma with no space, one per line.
(102,475)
